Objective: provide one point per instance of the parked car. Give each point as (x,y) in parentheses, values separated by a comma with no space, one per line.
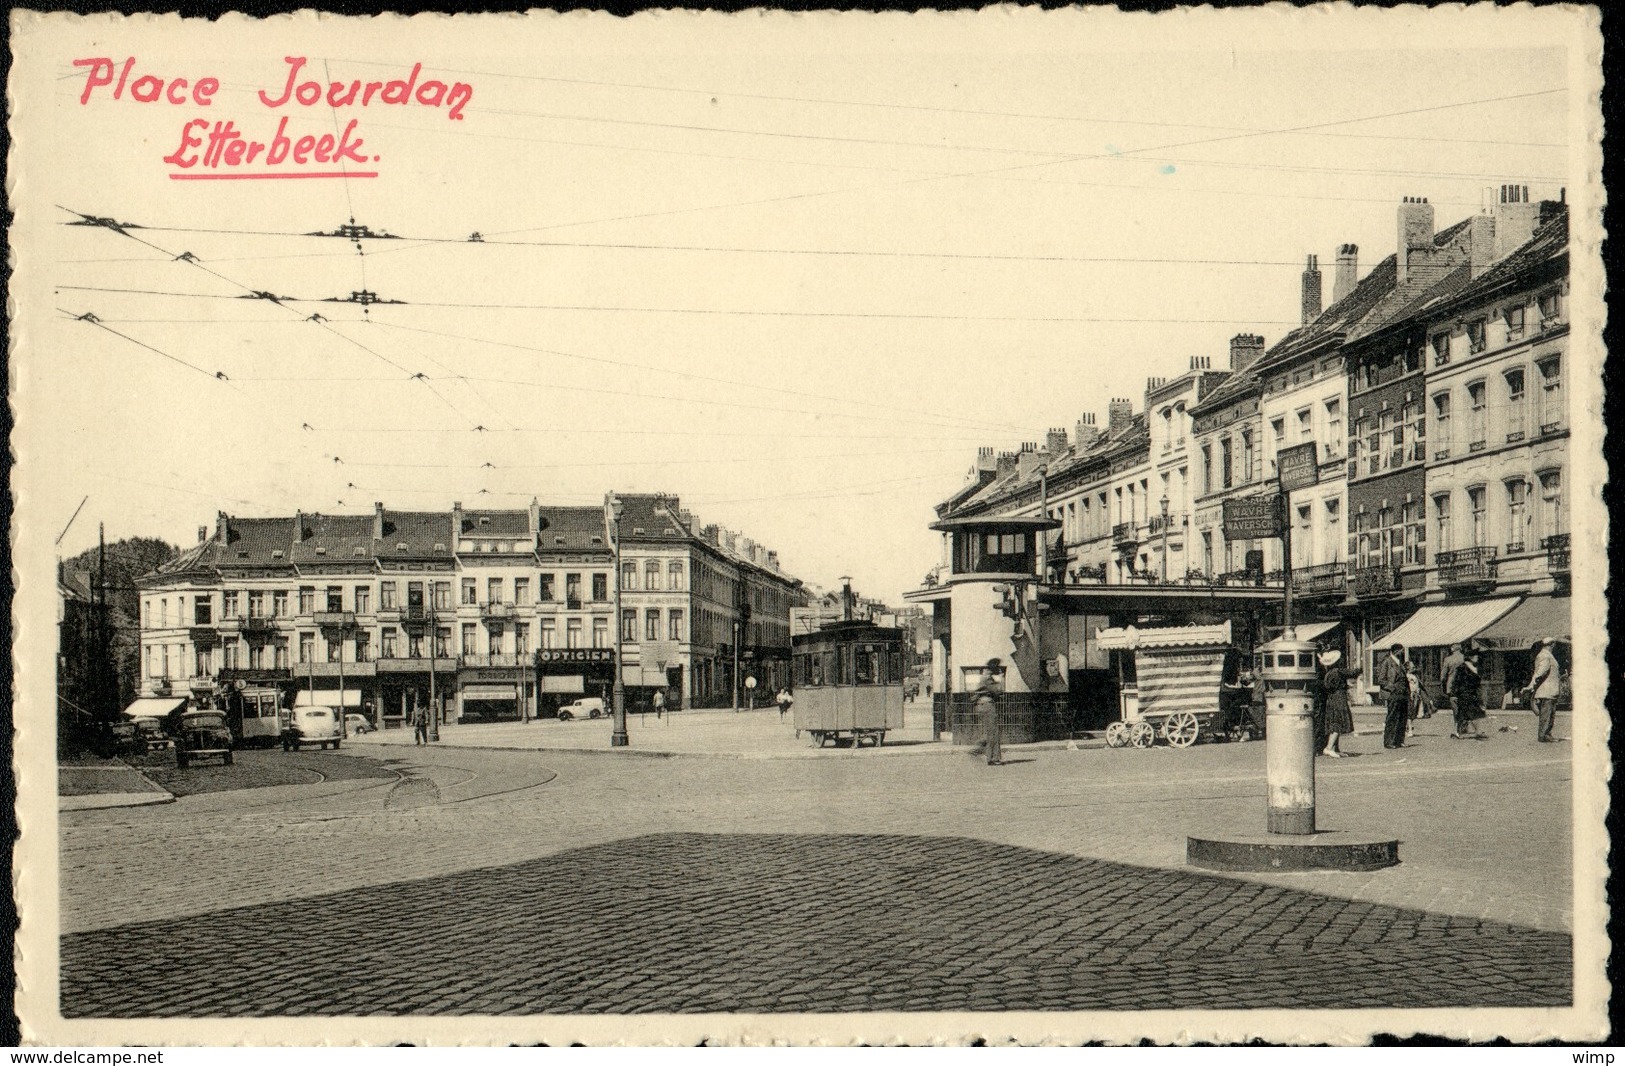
(358,724)
(119,738)
(590,707)
(201,734)
(152,735)
(311,725)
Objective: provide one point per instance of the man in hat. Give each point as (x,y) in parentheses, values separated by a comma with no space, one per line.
(1396,695)
(1546,683)
(988,693)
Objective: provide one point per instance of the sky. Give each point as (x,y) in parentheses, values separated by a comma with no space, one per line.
(793,270)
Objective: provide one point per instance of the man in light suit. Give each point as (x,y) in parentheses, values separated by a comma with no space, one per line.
(1396,693)
(1546,683)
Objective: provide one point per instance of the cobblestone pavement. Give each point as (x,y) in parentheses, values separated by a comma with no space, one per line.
(773,922)
(258,768)
(596,855)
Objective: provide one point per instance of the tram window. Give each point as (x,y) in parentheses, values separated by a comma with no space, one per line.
(894,668)
(817,668)
(867,661)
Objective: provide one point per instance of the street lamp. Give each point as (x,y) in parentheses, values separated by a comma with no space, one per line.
(614,508)
(1165,538)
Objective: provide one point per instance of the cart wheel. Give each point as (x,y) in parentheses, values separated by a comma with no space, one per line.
(1142,735)
(1117,735)
(880,738)
(1181,729)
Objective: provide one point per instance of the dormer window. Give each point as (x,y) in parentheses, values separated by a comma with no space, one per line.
(1475,335)
(484,521)
(401,546)
(1548,305)
(439,547)
(242,555)
(319,551)
(1513,316)
(359,551)
(276,553)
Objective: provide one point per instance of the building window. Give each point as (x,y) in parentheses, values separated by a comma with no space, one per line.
(651,624)
(521,638)
(1475,336)
(674,575)
(651,575)
(572,633)
(442,642)
(1225,472)
(1207,553)
(572,591)
(335,650)
(544,589)
(629,624)
(229,654)
(600,632)
(335,598)
(493,590)
(1475,502)
(1207,468)
(470,593)
(1334,429)
(629,576)
(307,647)
(1552,520)
(674,624)
(363,647)
(600,587)
(549,633)
(203,611)
(205,663)
(1441,425)
(279,605)
(1517,513)
(1513,316)
(386,643)
(1334,529)
(1303,538)
(1167,429)
(442,595)
(386,596)
(1476,419)
(1411,514)
(521,591)
(1549,306)
(1413,359)
(363,599)
(1551,398)
(307,600)
(1306,425)
(493,639)
(1515,398)
(1441,523)
(256,658)
(1441,349)
(256,606)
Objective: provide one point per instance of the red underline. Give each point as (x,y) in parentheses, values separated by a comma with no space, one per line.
(256,177)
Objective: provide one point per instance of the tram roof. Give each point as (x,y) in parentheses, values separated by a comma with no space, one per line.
(996,524)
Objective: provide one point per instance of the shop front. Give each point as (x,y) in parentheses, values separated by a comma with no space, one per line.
(564,675)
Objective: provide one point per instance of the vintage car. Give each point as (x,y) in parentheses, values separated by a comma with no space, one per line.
(201,734)
(358,724)
(152,735)
(589,707)
(311,725)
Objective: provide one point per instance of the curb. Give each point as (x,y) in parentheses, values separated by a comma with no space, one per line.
(104,800)
(938,748)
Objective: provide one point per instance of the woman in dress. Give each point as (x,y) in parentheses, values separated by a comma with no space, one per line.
(1335,684)
(1468,698)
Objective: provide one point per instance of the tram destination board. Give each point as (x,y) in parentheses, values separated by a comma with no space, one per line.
(1298,467)
(1254,518)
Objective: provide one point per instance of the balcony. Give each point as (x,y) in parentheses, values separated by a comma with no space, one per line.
(505,660)
(1124,535)
(204,636)
(346,670)
(334,619)
(1466,568)
(393,665)
(1323,579)
(1515,547)
(498,612)
(257,627)
(573,603)
(1371,582)
(1476,446)
(1556,547)
(1080,574)
(415,616)
(1548,429)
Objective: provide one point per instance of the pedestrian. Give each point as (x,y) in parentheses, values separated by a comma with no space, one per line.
(784,700)
(660,703)
(1467,698)
(1338,718)
(1546,683)
(1396,695)
(420,724)
(989,693)
(1236,701)
(1421,702)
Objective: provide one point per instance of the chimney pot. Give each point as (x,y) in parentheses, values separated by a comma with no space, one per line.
(202,534)
(1348,271)
(1311,291)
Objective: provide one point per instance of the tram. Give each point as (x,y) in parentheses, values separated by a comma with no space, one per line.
(260,722)
(848,682)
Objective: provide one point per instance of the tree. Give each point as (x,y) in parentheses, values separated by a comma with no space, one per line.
(125,560)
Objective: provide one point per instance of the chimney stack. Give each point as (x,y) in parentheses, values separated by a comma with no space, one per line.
(1005,464)
(1086,431)
(299,527)
(378,520)
(1311,290)
(222,527)
(456,526)
(1055,441)
(202,534)
(985,463)
(535,514)
(1119,414)
(1244,348)
(1415,235)
(1515,219)
(1201,362)
(1348,272)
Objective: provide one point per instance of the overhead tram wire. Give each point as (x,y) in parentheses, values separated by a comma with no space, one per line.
(91,319)
(892,105)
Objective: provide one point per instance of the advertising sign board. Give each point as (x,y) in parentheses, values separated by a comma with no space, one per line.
(1297,467)
(1254,518)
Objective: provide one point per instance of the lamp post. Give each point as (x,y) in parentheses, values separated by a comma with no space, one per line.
(614,508)
(1165,538)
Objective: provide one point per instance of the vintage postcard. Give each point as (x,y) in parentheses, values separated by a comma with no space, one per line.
(1015,526)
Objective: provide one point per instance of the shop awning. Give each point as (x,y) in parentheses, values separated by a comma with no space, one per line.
(1311,630)
(153,706)
(1129,638)
(490,692)
(327,697)
(1535,617)
(1439,625)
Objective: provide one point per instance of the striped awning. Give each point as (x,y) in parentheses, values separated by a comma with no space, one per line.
(1173,680)
(1130,638)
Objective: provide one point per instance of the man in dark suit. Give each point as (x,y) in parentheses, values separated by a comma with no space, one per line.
(1396,693)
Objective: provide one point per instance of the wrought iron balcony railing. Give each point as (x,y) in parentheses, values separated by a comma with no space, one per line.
(1467,567)
(1320,580)
(1123,533)
(1557,552)
(1372,581)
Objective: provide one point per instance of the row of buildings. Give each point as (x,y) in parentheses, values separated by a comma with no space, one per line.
(477,614)
(1426,408)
